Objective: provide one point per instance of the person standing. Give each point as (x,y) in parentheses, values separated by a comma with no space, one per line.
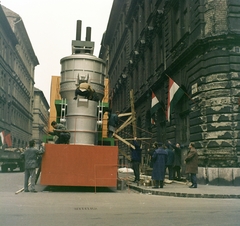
(150,153)
(170,161)
(112,122)
(136,155)
(61,131)
(30,156)
(39,162)
(159,165)
(192,164)
(177,161)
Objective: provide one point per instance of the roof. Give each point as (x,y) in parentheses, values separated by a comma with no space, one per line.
(15,21)
(6,26)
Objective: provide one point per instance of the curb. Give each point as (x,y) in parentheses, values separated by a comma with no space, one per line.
(182,194)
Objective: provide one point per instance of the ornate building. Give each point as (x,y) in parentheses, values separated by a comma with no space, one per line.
(197,45)
(40,117)
(17,64)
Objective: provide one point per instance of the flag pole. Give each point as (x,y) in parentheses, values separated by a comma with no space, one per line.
(183,90)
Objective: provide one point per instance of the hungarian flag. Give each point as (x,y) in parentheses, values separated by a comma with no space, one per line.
(154,107)
(174,95)
(1,138)
(8,140)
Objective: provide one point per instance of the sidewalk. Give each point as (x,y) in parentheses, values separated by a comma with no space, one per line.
(181,189)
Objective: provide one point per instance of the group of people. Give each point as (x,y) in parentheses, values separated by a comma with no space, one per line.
(33,156)
(162,158)
(165,157)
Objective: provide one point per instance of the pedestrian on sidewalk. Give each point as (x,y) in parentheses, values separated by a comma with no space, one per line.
(159,165)
(150,153)
(192,164)
(30,156)
(177,161)
(39,162)
(136,155)
(170,161)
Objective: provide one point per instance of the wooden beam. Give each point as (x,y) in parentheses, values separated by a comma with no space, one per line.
(146,138)
(123,140)
(134,125)
(126,123)
(124,154)
(124,114)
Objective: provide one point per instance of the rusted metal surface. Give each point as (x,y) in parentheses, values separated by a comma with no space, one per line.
(79,165)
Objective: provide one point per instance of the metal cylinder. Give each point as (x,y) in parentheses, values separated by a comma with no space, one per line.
(82,121)
(79,30)
(82,113)
(88,33)
(81,66)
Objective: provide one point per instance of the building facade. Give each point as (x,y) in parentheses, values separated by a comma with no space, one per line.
(197,45)
(17,65)
(40,117)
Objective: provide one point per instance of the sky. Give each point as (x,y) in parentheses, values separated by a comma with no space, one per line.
(51,27)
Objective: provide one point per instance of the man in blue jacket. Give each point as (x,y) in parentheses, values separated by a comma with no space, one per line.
(159,164)
(112,122)
(30,156)
(136,155)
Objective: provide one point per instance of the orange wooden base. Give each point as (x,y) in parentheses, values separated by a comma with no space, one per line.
(79,165)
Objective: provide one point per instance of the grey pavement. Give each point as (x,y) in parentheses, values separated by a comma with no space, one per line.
(171,188)
(178,189)
(54,205)
(181,189)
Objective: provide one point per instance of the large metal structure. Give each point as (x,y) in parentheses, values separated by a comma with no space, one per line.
(82,162)
(82,66)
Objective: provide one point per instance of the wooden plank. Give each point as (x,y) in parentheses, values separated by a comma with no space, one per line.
(124,154)
(123,140)
(126,123)
(134,125)
(124,114)
(143,138)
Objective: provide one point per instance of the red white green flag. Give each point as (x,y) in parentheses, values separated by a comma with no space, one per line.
(154,107)
(174,95)
(8,140)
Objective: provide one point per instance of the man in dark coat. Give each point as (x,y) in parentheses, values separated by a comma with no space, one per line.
(136,155)
(30,156)
(159,164)
(170,161)
(192,164)
(150,153)
(61,131)
(177,160)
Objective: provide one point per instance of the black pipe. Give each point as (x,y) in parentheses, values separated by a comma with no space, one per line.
(79,30)
(88,34)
